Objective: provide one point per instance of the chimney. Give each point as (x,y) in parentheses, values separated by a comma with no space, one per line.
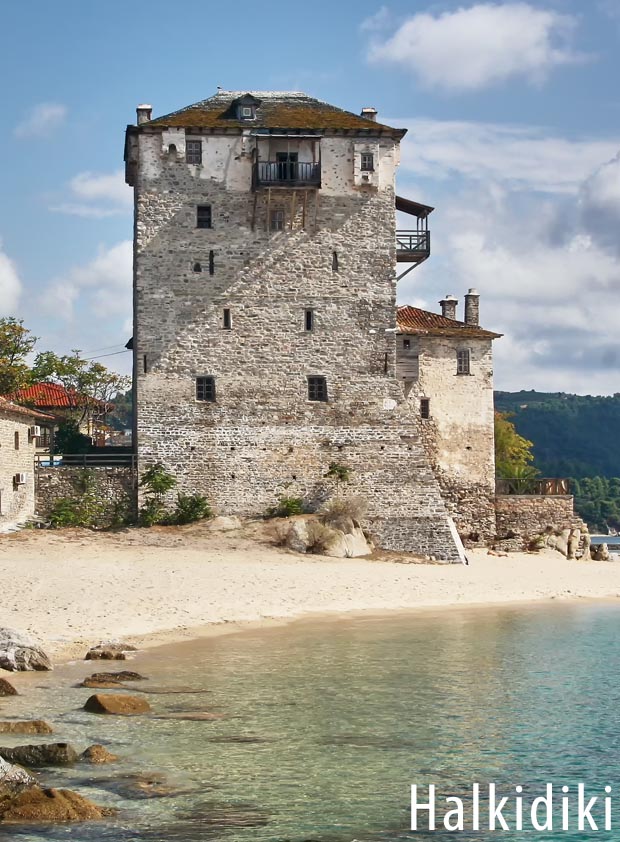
(448,307)
(369,114)
(144,113)
(472,307)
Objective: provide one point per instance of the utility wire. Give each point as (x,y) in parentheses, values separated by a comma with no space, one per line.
(101,356)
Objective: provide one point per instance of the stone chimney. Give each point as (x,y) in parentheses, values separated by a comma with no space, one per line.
(472,307)
(369,114)
(448,307)
(144,113)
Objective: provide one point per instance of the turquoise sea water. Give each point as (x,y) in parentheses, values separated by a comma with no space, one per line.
(329,723)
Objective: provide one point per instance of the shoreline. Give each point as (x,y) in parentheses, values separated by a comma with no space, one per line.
(73,589)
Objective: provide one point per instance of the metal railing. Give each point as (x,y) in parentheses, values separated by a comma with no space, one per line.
(85,460)
(409,243)
(545,486)
(286,174)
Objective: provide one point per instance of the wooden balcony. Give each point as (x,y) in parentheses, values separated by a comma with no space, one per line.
(286,174)
(413,246)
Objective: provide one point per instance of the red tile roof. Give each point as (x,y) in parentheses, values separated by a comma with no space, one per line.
(277,110)
(7,406)
(50,396)
(415,320)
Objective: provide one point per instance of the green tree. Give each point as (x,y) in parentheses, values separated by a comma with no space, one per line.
(16,342)
(513,453)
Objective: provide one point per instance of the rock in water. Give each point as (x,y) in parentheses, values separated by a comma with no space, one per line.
(50,754)
(49,805)
(14,776)
(30,726)
(6,688)
(112,651)
(19,652)
(98,754)
(116,703)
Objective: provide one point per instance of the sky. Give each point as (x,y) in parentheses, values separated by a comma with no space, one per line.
(513,119)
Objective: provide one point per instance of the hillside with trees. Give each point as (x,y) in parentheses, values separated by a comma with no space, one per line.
(576,436)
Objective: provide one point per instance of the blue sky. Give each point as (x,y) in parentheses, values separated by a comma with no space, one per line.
(514,131)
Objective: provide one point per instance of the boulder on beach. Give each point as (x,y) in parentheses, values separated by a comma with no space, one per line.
(13,777)
(98,754)
(110,680)
(49,754)
(19,653)
(112,651)
(117,703)
(49,805)
(28,726)
(6,688)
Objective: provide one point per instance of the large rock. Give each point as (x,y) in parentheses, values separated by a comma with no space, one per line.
(49,805)
(117,703)
(6,688)
(49,754)
(112,651)
(110,680)
(18,652)
(14,776)
(29,726)
(297,538)
(352,545)
(98,754)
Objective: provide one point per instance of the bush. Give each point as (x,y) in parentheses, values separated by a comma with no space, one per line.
(69,439)
(88,508)
(153,511)
(157,480)
(287,507)
(320,536)
(339,472)
(190,508)
(340,509)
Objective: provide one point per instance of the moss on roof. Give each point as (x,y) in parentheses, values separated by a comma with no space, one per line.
(277,110)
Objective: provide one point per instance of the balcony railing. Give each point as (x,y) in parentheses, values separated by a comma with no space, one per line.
(286,174)
(528,486)
(412,246)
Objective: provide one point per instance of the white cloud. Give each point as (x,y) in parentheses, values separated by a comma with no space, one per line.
(41,120)
(97,195)
(520,157)
(10,285)
(101,288)
(480,46)
(377,22)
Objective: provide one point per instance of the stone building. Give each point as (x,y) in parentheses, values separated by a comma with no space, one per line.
(446,367)
(19,428)
(265,310)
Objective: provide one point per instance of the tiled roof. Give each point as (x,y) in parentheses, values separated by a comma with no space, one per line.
(277,110)
(7,406)
(415,320)
(49,395)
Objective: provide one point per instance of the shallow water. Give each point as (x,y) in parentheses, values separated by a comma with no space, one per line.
(329,723)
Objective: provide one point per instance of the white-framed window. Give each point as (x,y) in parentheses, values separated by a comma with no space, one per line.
(367,163)
(193,151)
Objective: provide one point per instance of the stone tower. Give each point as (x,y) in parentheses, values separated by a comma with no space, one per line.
(265,311)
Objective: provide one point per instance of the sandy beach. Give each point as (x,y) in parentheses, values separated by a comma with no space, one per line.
(74,588)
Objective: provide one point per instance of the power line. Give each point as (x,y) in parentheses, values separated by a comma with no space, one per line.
(101,356)
(106,348)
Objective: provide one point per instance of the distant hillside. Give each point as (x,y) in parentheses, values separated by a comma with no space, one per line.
(574,435)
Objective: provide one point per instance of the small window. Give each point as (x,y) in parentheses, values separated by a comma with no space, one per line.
(276,220)
(309,320)
(407,344)
(227,320)
(246,112)
(203,216)
(425,408)
(172,150)
(368,162)
(197,267)
(211,262)
(193,151)
(462,362)
(205,389)
(144,364)
(317,388)
(16,440)
(334,261)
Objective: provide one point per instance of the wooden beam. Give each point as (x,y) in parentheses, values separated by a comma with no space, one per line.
(293,208)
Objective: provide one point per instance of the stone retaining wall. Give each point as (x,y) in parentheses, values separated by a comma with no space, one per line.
(115,485)
(520,518)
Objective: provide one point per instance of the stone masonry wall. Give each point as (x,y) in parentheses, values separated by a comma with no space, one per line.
(263,438)
(458,435)
(16,501)
(114,485)
(521,518)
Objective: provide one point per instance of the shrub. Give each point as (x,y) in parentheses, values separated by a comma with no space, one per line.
(88,508)
(153,511)
(320,536)
(69,439)
(340,509)
(339,472)
(287,507)
(156,480)
(190,508)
